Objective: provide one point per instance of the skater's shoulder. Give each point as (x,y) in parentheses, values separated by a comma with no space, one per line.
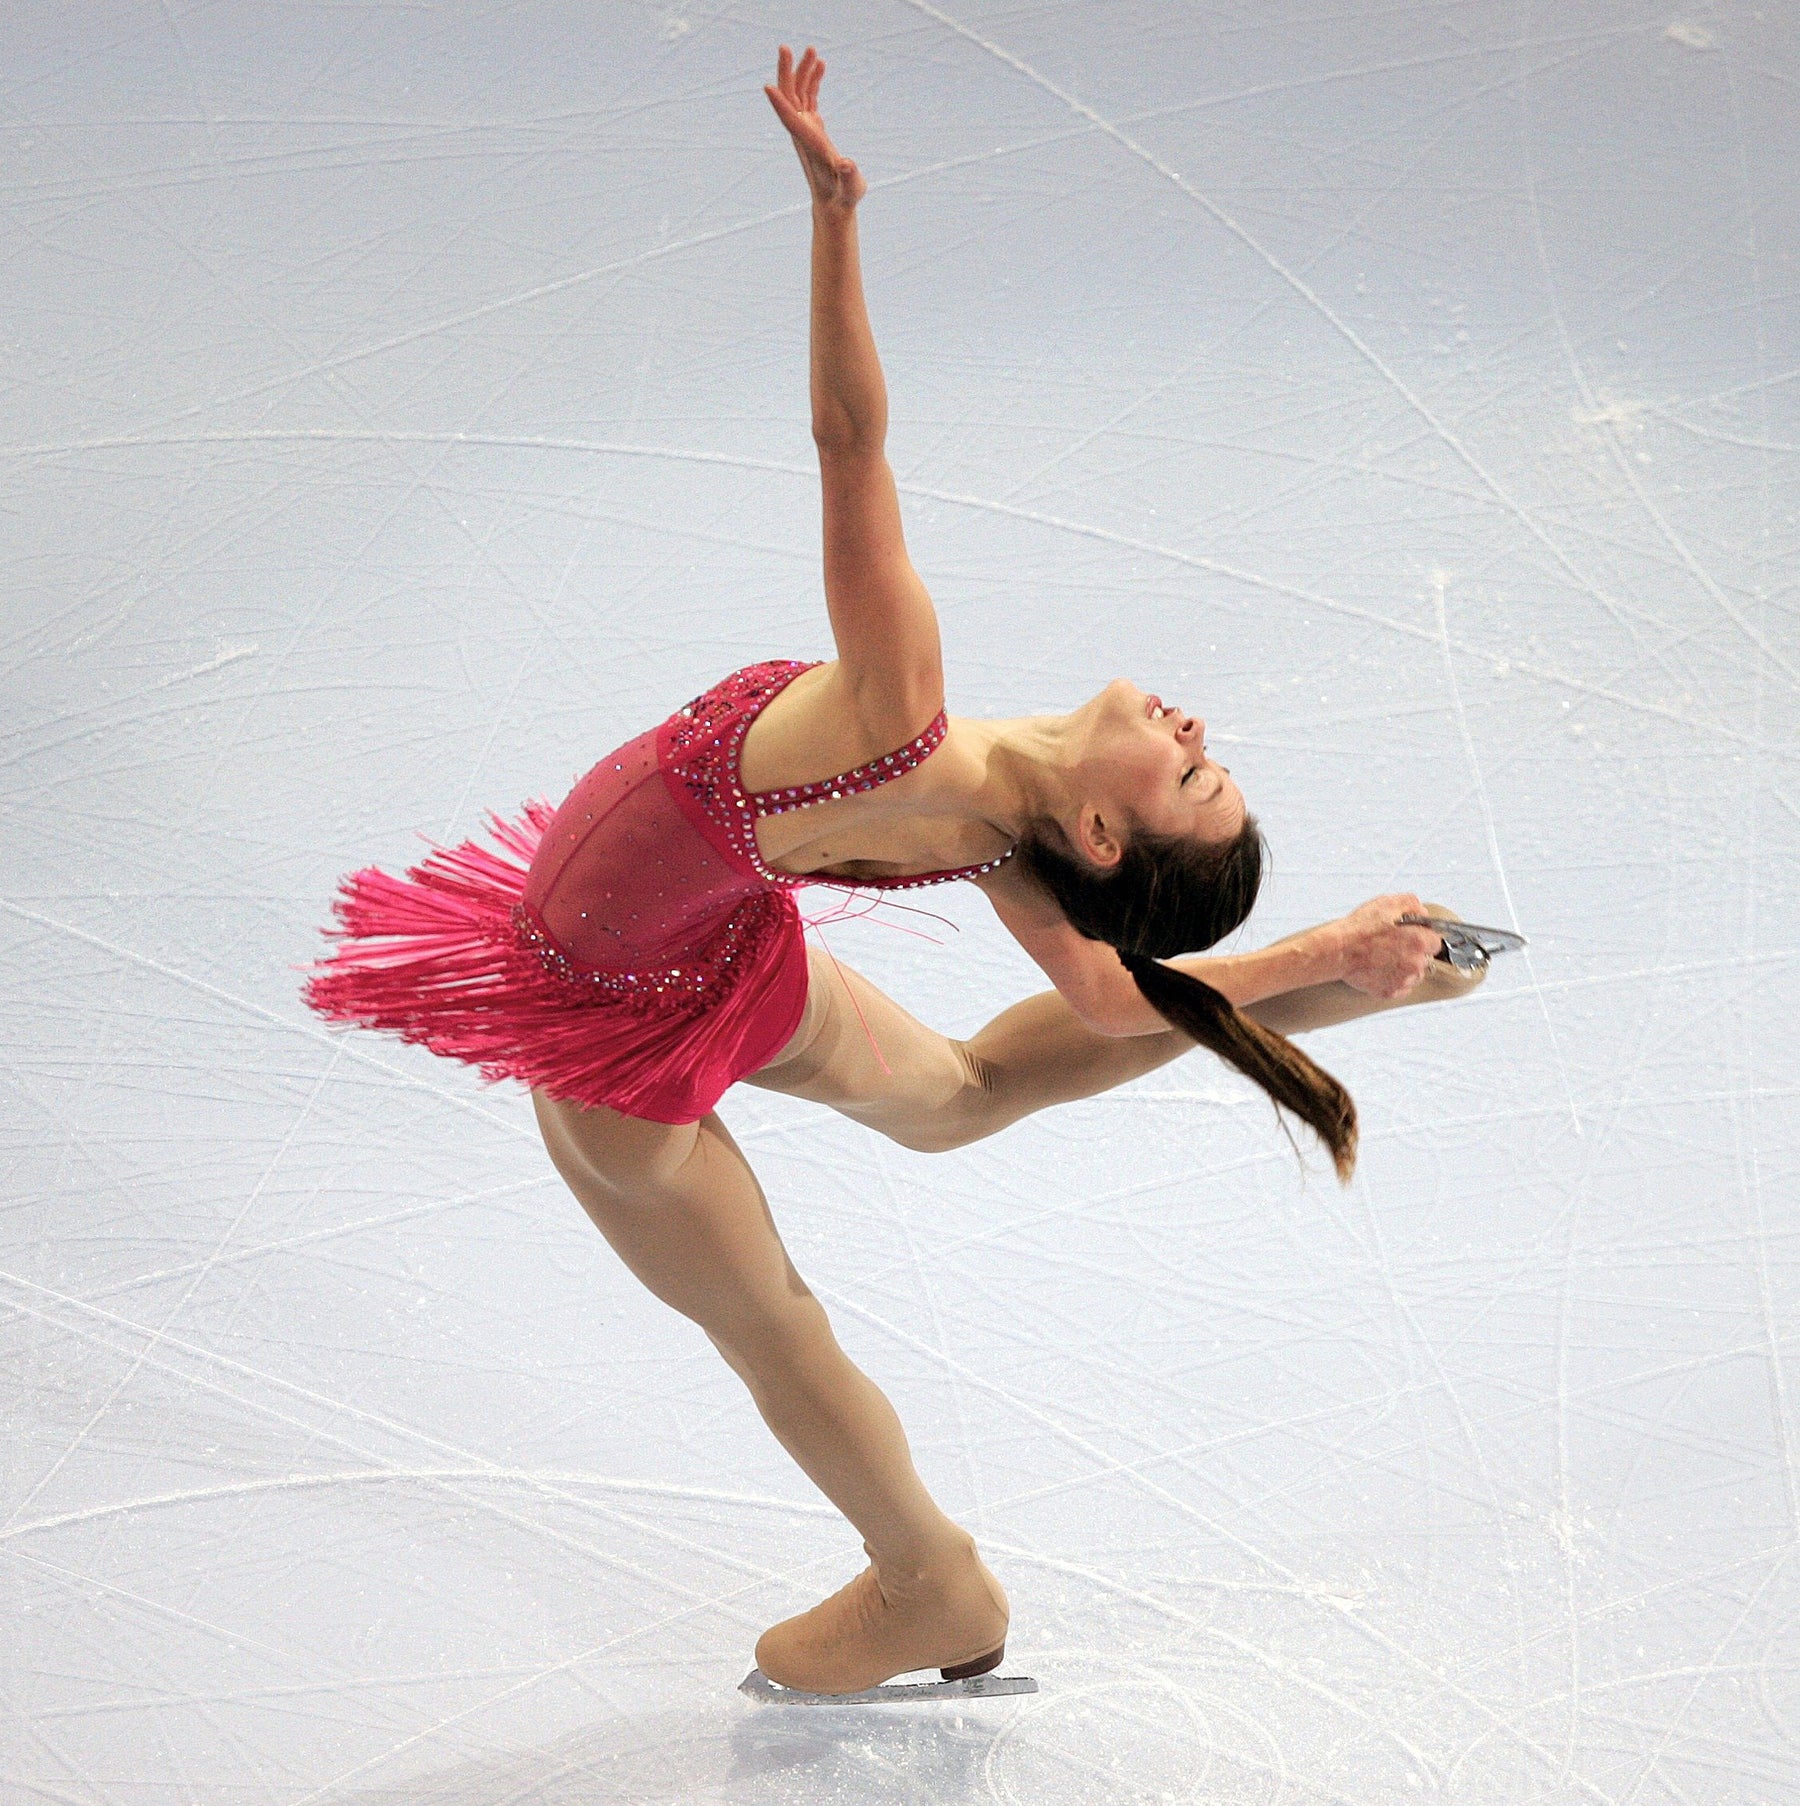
(1087,972)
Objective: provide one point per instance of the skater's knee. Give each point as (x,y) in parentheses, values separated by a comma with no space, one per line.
(770,1347)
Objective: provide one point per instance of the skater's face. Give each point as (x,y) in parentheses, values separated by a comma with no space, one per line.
(1146,762)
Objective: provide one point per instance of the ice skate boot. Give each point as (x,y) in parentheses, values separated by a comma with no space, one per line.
(951,1616)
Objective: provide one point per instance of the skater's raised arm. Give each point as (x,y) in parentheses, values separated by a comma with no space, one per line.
(849,399)
(881,613)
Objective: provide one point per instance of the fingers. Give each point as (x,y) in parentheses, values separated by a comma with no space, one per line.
(1387,958)
(790,115)
(807,78)
(794,95)
(1404,903)
(799,85)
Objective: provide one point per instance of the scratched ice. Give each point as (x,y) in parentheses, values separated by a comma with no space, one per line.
(403,404)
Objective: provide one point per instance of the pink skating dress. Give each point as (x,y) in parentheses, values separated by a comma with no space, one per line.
(630,948)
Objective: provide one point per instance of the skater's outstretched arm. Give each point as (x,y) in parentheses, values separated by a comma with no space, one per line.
(1352,967)
(849,398)
(1325,1004)
(1040,1052)
(890,665)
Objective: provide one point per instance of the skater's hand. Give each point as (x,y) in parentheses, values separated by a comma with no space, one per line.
(835,181)
(1374,954)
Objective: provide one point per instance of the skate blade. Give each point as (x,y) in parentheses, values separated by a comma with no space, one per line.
(758,1686)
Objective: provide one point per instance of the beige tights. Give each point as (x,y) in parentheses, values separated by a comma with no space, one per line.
(684,1211)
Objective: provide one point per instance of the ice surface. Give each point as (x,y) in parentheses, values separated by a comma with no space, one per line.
(405,403)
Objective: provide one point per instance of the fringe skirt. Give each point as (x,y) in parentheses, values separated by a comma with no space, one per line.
(449,958)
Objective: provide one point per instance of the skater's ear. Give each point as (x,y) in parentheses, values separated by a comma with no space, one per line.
(1098,838)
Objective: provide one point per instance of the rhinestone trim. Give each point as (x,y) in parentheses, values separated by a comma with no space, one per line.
(699,981)
(864,777)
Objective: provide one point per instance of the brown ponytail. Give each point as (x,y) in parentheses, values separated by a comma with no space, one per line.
(1168,896)
(1292,1080)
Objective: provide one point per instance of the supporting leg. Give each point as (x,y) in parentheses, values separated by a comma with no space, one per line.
(683,1210)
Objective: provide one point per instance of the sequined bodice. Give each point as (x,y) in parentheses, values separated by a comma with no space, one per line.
(649,880)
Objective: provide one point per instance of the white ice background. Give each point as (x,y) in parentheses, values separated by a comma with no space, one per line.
(405,403)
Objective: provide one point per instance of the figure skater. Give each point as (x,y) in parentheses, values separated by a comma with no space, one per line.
(638,950)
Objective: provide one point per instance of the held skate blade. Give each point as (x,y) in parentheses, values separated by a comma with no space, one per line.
(1467,945)
(758,1686)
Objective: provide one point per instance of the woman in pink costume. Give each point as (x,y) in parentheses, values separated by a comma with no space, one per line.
(638,950)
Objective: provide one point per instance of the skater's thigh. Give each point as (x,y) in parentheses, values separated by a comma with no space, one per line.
(681,1207)
(597,1149)
(860,1052)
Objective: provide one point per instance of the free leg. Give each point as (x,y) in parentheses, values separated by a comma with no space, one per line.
(861,1053)
(1325,1006)
(1039,1052)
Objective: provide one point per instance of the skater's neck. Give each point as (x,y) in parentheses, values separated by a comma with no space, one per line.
(1011,773)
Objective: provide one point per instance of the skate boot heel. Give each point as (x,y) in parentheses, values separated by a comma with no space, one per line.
(967,1671)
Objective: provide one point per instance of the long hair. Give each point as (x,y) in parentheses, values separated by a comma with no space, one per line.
(1167,896)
